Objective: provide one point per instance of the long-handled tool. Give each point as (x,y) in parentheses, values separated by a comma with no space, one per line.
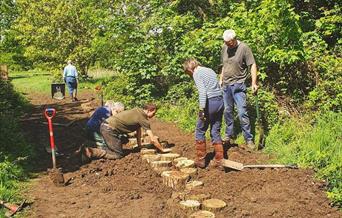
(261,141)
(12,207)
(239,166)
(55,174)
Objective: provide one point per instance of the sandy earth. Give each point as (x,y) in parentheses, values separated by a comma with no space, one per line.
(130,188)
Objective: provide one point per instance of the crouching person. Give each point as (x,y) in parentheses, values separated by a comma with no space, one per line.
(210,111)
(126,122)
(100,115)
(93,131)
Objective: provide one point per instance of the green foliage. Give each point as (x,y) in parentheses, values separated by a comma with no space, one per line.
(316,145)
(184,113)
(14,150)
(117,90)
(55,31)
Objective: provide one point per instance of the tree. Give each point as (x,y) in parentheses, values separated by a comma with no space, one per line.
(54,31)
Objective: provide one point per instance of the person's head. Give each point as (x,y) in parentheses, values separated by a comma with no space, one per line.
(190,65)
(229,38)
(118,107)
(114,107)
(69,62)
(150,109)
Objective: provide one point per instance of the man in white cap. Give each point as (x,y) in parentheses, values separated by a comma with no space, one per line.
(236,59)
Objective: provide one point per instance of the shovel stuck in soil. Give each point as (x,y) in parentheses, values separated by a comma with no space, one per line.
(55,174)
(239,166)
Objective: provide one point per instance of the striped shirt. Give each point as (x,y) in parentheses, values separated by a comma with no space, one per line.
(207,84)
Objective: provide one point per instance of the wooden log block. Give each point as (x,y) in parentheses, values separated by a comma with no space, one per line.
(185,163)
(3,72)
(150,157)
(175,179)
(213,204)
(169,156)
(190,205)
(202,214)
(160,166)
(176,160)
(160,163)
(147,151)
(193,184)
(191,171)
(167,150)
(132,141)
(198,197)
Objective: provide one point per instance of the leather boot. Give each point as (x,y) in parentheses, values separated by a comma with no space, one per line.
(201,152)
(217,161)
(95,153)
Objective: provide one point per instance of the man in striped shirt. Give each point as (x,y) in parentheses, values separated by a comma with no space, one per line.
(210,110)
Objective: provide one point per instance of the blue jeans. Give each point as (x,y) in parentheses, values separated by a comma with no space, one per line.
(213,114)
(71,83)
(236,93)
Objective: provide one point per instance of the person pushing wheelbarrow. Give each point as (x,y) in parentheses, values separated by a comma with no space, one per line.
(70,77)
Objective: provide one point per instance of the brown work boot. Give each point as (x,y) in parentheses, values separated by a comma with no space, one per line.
(217,161)
(201,152)
(95,153)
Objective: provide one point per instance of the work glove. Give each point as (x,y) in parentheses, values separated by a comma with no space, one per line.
(201,114)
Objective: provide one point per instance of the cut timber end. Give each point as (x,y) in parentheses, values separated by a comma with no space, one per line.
(150,157)
(167,150)
(193,184)
(202,214)
(169,156)
(132,141)
(160,166)
(213,204)
(191,171)
(175,179)
(199,197)
(147,151)
(185,163)
(179,159)
(190,205)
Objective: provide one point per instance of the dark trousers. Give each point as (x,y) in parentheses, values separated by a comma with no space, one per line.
(112,140)
(213,114)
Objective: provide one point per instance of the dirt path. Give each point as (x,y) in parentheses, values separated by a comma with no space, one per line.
(129,188)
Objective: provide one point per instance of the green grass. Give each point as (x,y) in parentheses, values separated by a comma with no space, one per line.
(31,81)
(40,80)
(317,145)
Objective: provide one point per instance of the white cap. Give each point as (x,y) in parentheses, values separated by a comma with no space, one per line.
(229,35)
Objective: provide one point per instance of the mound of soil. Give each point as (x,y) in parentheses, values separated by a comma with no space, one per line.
(130,188)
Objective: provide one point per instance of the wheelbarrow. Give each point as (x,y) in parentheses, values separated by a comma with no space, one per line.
(239,166)
(55,174)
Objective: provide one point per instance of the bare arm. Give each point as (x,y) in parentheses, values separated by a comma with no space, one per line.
(155,140)
(254,78)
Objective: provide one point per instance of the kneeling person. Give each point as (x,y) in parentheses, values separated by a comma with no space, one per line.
(100,115)
(126,122)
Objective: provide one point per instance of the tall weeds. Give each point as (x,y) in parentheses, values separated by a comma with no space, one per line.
(317,145)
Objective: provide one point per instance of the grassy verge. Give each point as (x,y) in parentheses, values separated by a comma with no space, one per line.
(15,152)
(317,145)
(40,80)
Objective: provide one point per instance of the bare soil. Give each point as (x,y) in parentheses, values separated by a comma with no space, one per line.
(130,188)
